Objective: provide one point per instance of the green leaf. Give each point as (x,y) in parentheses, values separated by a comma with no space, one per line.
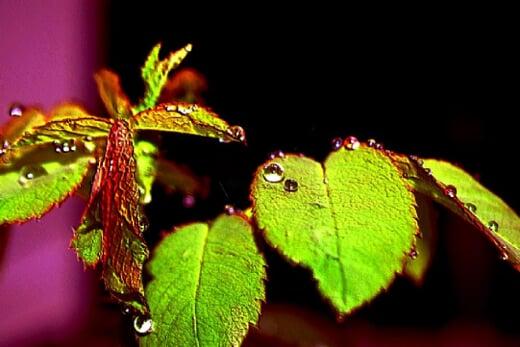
(88,237)
(31,187)
(155,74)
(350,221)
(114,98)
(17,126)
(64,130)
(208,282)
(146,157)
(418,264)
(473,202)
(187,119)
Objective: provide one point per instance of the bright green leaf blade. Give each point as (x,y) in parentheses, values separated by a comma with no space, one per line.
(114,98)
(155,74)
(418,264)
(208,283)
(66,129)
(351,221)
(146,157)
(187,119)
(31,188)
(88,238)
(475,203)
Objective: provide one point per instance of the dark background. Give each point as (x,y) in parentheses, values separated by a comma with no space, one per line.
(433,84)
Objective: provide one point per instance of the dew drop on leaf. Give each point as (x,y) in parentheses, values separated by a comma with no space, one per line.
(290,186)
(371,142)
(351,143)
(16,110)
(450,191)
(188,201)
(413,254)
(471,207)
(237,132)
(171,108)
(229,210)
(493,226)
(29,173)
(125,310)
(504,256)
(277,154)
(379,146)
(273,173)
(143,325)
(336,143)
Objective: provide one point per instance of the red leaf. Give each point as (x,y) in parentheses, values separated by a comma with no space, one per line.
(115,194)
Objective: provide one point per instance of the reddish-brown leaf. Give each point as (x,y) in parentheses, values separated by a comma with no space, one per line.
(115,194)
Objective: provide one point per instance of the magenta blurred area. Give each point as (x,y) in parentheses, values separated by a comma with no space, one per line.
(48,50)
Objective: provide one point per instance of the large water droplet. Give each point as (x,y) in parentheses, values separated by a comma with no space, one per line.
(471,207)
(351,143)
(237,133)
(229,210)
(290,185)
(336,143)
(493,226)
(273,173)
(450,191)
(143,325)
(16,110)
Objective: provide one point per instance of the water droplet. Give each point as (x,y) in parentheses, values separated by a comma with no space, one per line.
(450,191)
(143,224)
(336,143)
(65,147)
(229,210)
(92,161)
(273,173)
(413,254)
(188,201)
(290,186)
(16,110)
(2,151)
(188,47)
(143,325)
(277,154)
(125,310)
(493,226)
(237,133)
(471,207)
(185,110)
(351,143)
(428,171)
(504,256)
(5,145)
(88,138)
(29,173)
(379,146)
(171,108)
(371,142)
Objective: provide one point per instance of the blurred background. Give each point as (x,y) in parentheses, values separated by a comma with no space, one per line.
(438,83)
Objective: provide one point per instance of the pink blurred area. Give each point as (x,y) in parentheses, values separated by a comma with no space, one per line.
(48,51)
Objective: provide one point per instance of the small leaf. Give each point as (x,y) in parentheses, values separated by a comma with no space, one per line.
(114,202)
(65,129)
(88,237)
(461,193)
(188,119)
(114,98)
(155,74)
(145,154)
(207,285)
(179,178)
(350,221)
(32,186)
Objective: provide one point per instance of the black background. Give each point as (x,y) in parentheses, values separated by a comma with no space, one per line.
(436,83)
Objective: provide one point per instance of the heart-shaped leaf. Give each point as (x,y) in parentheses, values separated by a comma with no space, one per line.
(351,221)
